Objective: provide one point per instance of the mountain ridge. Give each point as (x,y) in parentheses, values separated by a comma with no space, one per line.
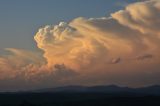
(150,90)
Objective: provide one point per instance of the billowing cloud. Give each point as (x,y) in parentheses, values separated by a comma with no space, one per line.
(82,42)
(121,49)
(22,69)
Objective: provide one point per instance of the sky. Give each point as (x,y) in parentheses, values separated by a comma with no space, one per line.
(20,19)
(53,43)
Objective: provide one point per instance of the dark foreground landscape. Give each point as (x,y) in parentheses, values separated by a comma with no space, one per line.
(82,96)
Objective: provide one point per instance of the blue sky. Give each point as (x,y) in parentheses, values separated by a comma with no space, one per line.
(20,19)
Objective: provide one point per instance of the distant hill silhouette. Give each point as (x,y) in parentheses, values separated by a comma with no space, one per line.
(111,95)
(151,90)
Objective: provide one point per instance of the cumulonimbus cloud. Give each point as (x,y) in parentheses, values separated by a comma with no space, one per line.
(121,49)
(127,33)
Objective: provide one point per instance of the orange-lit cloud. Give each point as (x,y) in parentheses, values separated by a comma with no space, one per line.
(121,49)
(83,42)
